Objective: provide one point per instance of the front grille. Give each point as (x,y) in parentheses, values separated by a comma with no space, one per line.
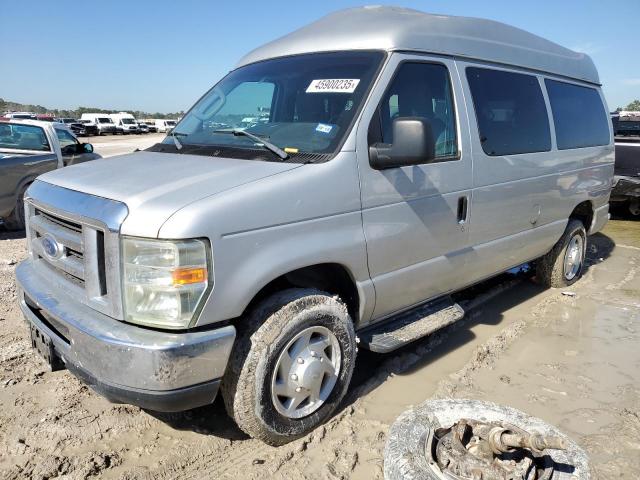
(71,254)
(74,243)
(59,243)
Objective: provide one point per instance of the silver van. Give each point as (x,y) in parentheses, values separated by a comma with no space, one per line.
(386,167)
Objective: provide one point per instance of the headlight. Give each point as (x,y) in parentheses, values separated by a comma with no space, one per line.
(163,281)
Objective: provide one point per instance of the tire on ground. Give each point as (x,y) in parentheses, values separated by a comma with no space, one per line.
(404,454)
(263,334)
(550,267)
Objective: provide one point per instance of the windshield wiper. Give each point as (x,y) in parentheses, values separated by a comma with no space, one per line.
(174,135)
(266,144)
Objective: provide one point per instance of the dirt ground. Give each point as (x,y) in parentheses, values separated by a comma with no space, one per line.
(570,357)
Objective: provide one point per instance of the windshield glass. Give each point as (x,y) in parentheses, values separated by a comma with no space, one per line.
(22,137)
(128,121)
(104,120)
(303,103)
(170,123)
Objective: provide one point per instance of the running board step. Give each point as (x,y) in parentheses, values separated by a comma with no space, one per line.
(410,326)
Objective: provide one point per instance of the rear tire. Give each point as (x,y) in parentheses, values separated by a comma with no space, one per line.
(257,374)
(563,265)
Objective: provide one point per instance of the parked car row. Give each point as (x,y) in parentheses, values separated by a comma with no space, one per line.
(122,123)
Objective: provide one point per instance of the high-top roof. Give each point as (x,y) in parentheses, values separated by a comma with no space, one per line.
(394,29)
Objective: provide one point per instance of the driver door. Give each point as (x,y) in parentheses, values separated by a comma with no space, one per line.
(416,218)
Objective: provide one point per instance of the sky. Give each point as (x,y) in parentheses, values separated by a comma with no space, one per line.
(161,56)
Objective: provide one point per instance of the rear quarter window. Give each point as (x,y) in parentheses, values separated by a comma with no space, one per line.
(578,114)
(511,112)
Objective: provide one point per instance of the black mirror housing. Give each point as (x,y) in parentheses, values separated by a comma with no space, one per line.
(413,144)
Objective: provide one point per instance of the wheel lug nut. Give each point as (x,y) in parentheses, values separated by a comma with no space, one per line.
(314,354)
(298,389)
(294,377)
(300,360)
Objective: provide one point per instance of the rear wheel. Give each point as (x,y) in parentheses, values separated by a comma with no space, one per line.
(634,207)
(563,265)
(291,365)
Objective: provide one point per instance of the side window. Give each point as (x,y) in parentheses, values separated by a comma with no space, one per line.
(419,90)
(511,113)
(65,138)
(578,114)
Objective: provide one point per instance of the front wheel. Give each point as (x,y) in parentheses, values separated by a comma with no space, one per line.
(563,265)
(17,221)
(291,365)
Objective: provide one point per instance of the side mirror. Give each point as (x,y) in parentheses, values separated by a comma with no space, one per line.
(87,148)
(413,144)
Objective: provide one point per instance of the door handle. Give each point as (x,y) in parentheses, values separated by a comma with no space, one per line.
(462,209)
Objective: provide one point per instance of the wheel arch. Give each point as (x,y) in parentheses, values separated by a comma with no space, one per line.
(333,278)
(584,212)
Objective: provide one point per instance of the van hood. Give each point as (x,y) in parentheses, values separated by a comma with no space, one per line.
(155,185)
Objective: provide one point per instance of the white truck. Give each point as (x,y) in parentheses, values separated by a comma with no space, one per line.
(103,121)
(125,123)
(164,125)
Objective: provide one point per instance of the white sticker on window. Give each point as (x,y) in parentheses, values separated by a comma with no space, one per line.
(324,128)
(333,85)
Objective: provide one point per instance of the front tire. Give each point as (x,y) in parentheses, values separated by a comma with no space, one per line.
(16,221)
(291,365)
(563,265)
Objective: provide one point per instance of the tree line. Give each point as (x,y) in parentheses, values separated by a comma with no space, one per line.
(632,107)
(7,106)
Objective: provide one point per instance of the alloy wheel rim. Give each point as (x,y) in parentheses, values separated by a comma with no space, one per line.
(306,372)
(573,257)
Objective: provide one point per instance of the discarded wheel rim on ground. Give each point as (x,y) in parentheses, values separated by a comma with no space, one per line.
(410,453)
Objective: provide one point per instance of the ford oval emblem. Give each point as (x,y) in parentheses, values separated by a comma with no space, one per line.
(51,247)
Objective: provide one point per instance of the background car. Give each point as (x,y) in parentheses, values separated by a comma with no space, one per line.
(29,148)
(151,126)
(77,127)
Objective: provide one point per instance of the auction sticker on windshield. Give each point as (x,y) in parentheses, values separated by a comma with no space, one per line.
(333,85)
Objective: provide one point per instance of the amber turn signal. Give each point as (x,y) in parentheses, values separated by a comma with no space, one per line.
(187,276)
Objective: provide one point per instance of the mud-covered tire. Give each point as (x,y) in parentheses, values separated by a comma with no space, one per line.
(16,220)
(262,336)
(550,268)
(404,454)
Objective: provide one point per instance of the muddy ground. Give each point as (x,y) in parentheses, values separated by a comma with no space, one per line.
(570,357)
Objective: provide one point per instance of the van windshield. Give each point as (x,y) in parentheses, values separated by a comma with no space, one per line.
(128,121)
(104,120)
(303,103)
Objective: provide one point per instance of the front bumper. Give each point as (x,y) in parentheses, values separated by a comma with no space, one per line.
(162,371)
